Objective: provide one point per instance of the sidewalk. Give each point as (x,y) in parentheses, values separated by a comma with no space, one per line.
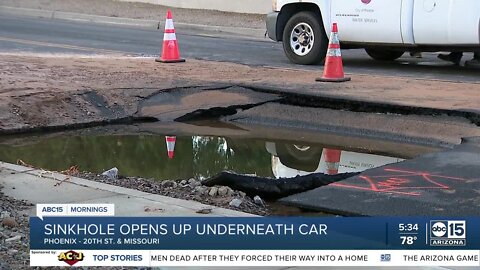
(140,14)
(37,186)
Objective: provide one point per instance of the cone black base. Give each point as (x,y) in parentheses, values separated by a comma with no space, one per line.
(169,61)
(344,79)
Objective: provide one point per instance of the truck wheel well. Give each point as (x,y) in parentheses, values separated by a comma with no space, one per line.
(289,10)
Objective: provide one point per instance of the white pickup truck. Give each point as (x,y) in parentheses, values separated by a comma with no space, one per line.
(385,28)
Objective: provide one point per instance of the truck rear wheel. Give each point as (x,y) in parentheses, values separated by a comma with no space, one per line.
(384,55)
(304,39)
(298,157)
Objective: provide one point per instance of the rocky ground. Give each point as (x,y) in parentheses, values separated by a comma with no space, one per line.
(191,189)
(14,234)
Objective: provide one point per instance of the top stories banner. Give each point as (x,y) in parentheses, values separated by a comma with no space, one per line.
(105,240)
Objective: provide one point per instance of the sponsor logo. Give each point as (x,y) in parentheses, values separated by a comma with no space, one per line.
(448,232)
(71,257)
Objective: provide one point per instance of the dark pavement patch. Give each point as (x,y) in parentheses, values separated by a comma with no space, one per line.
(439,184)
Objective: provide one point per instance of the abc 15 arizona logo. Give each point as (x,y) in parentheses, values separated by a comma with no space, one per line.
(448,233)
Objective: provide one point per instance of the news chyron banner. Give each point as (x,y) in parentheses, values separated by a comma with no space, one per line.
(90,235)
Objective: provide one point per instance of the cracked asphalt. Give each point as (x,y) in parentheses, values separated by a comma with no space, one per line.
(41,92)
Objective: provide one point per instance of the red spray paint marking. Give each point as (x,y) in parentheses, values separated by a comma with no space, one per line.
(402,182)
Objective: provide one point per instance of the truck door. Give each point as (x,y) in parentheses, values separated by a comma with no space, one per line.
(368,21)
(449,22)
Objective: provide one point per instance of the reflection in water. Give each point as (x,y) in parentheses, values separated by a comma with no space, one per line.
(170,141)
(144,156)
(292,160)
(183,157)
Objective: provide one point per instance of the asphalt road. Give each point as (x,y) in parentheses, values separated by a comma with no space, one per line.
(26,34)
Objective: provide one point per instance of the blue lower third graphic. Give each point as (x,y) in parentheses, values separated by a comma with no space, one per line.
(257,233)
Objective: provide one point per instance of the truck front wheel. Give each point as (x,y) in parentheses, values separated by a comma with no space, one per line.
(304,39)
(384,55)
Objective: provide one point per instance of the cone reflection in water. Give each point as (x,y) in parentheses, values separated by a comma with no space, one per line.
(170,51)
(333,69)
(332,160)
(170,140)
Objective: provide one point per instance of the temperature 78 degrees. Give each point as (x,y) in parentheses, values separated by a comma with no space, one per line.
(408,233)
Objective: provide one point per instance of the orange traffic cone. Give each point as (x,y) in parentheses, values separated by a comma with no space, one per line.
(332,159)
(333,70)
(170,51)
(170,140)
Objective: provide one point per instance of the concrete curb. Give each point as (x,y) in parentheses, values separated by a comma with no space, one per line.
(15,168)
(152,24)
(191,206)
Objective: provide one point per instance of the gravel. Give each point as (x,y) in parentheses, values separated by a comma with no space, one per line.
(191,189)
(14,238)
(143,11)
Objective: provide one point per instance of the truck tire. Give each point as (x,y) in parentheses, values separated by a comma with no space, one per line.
(304,39)
(384,55)
(305,158)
